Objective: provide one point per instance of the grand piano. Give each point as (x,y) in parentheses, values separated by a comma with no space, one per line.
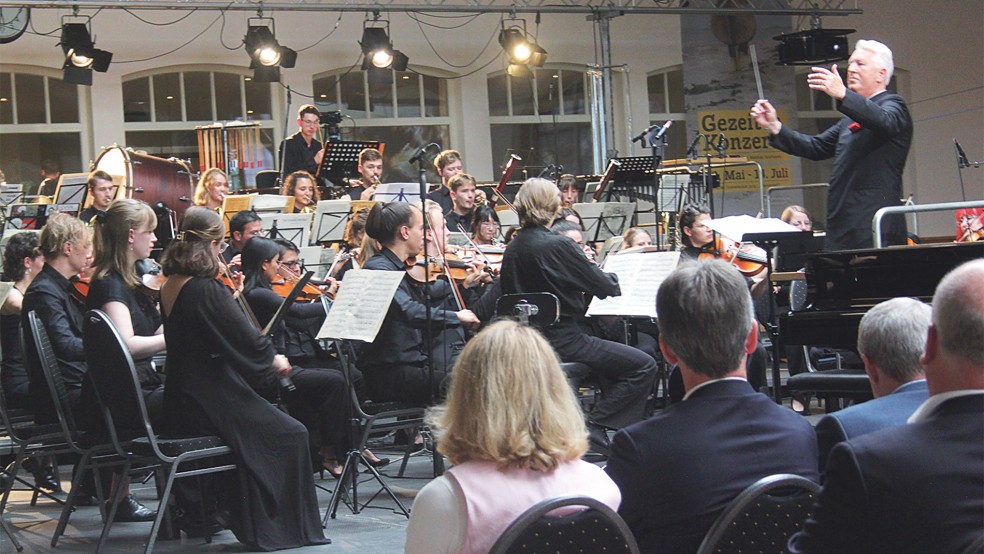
(842,286)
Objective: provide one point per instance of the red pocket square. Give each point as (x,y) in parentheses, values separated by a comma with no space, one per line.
(854,127)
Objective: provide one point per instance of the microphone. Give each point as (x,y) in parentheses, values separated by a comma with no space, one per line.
(419,154)
(692,150)
(662,131)
(722,152)
(643,134)
(962,160)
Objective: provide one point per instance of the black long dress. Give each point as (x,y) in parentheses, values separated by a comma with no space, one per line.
(215,360)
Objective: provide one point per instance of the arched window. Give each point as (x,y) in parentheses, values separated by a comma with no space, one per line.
(162,107)
(407,112)
(545,119)
(40,119)
(666,103)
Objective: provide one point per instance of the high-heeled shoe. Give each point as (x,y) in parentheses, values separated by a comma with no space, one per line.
(332,467)
(373,460)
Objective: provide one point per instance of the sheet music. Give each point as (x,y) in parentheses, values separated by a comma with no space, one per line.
(639,276)
(397,192)
(271,204)
(293,227)
(330,218)
(734,227)
(361,305)
(614,218)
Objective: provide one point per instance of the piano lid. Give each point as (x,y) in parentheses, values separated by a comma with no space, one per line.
(863,278)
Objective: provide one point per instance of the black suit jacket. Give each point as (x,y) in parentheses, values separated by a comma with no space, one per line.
(916,488)
(679,469)
(868,163)
(873,415)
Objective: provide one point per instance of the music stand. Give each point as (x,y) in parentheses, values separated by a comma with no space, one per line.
(292,227)
(317,259)
(397,192)
(341,160)
(603,220)
(73,188)
(630,173)
(231,205)
(271,204)
(25,216)
(330,219)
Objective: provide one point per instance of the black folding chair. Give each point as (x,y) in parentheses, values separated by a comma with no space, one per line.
(597,528)
(95,454)
(761,519)
(118,388)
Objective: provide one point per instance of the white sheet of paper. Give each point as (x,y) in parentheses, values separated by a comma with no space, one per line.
(5,288)
(734,227)
(361,305)
(639,276)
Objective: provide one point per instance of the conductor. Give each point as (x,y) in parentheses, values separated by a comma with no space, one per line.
(869,146)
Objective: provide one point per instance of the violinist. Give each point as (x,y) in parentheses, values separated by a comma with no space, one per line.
(66,243)
(212,189)
(352,239)
(395,364)
(319,395)
(798,217)
(573,231)
(694,232)
(370,173)
(300,185)
(216,361)
(463,188)
(124,234)
(485,226)
(539,261)
(635,237)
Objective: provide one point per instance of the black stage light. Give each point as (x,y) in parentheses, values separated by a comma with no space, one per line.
(266,55)
(814,46)
(81,55)
(523,51)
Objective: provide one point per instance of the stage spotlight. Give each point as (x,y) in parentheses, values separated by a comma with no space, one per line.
(81,55)
(814,46)
(266,55)
(377,50)
(520,47)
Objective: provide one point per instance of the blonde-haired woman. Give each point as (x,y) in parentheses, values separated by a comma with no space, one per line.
(513,430)
(798,217)
(212,189)
(302,186)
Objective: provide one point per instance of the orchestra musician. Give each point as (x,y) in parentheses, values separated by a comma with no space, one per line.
(539,261)
(352,239)
(22,262)
(319,395)
(302,151)
(102,190)
(370,171)
(395,364)
(301,185)
(485,226)
(124,234)
(448,164)
(635,237)
(569,191)
(463,187)
(212,189)
(50,173)
(798,217)
(243,226)
(216,359)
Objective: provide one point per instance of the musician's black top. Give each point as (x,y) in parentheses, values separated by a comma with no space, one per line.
(299,155)
(539,261)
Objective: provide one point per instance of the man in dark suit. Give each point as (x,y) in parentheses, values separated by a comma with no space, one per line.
(869,146)
(679,469)
(917,487)
(891,338)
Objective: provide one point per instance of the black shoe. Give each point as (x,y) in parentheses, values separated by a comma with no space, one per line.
(46,478)
(378,462)
(130,510)
(598,438)
(5,481)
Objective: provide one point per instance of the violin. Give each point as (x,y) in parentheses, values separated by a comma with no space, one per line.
(151,282)
(309,293)
(456,269)
(750,260)
(80,289)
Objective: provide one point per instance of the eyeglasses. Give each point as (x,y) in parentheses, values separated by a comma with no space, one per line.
(295,263)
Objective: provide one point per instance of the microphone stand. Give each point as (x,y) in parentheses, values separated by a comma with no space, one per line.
(658,148)
(283,145)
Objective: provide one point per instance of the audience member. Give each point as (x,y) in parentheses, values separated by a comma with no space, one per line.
(890,340)
(513,431)
(917,487)
(681,467)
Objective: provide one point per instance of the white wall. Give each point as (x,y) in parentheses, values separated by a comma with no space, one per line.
(939,42)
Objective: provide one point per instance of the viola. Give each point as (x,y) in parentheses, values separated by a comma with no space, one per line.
(749,259)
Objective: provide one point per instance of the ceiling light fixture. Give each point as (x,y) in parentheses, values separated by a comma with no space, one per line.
(266,55)
(379,57)
(521,48)
(81,55)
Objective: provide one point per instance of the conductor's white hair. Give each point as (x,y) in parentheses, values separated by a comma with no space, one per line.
(883,56)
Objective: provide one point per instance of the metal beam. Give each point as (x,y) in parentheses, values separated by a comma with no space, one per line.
(623,7)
